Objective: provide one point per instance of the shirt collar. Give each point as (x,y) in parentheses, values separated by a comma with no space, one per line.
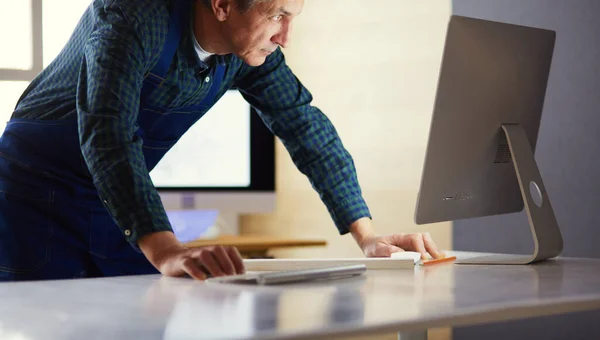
(187,54)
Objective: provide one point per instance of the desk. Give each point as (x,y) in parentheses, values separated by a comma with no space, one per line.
(251,246)
(155,307)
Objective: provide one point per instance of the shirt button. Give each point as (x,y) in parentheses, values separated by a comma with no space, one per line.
(207,79)
(127,232)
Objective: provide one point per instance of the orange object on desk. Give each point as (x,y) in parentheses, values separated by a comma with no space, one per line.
(434,261)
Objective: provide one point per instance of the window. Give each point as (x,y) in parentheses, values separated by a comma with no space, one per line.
(10,91)
(60,19)
(16,59)
(16,37)
(34,32)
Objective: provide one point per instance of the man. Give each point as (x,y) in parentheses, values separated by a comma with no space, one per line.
(77,199)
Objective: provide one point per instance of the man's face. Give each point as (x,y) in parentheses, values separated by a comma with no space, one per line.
(255,34)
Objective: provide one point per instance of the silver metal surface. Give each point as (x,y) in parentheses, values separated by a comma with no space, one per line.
(546,235)
(291,276)
(382,301)
(484,129)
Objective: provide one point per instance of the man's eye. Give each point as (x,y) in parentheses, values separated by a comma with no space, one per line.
(277,18)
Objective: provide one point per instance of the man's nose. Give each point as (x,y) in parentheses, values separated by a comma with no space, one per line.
(283,37)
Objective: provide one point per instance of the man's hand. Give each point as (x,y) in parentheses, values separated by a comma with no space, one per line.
(383,246)
(172,258)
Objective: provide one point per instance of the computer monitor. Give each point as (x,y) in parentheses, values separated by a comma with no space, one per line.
(225,162)
(479,158)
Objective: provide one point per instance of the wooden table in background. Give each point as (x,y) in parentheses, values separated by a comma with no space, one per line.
(256,246)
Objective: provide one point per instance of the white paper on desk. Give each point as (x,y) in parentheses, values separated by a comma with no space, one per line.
(297,264)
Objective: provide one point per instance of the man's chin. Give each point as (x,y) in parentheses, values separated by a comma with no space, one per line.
(255,60)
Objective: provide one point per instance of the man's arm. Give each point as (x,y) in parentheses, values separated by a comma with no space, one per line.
(316,149)
(362,230)
(311,139)
(116,57)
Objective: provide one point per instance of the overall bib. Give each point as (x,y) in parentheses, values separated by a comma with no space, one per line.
(52,222)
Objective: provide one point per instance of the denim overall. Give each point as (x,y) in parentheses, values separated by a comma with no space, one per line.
(52,222)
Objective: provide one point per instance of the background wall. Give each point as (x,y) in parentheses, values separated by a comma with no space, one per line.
(568,155)
(373,70)
(372,67)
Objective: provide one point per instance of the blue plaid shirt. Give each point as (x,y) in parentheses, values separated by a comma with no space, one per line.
(98,77)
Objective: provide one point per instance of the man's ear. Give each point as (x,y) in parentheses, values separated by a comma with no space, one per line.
(222,8)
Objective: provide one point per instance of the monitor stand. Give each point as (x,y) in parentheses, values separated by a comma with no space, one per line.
(544,229)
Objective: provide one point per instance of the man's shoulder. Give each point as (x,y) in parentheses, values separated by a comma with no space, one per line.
(141,11)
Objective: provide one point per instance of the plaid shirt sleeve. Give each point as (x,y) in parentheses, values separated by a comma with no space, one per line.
(308,135)
(115,58)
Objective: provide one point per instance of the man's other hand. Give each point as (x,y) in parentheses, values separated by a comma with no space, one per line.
(374,245)
(172,258)
(384,246)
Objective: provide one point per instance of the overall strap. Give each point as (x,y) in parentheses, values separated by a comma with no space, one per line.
(215,86)
(156,76)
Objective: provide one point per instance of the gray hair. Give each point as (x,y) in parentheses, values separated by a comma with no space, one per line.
(242,5)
